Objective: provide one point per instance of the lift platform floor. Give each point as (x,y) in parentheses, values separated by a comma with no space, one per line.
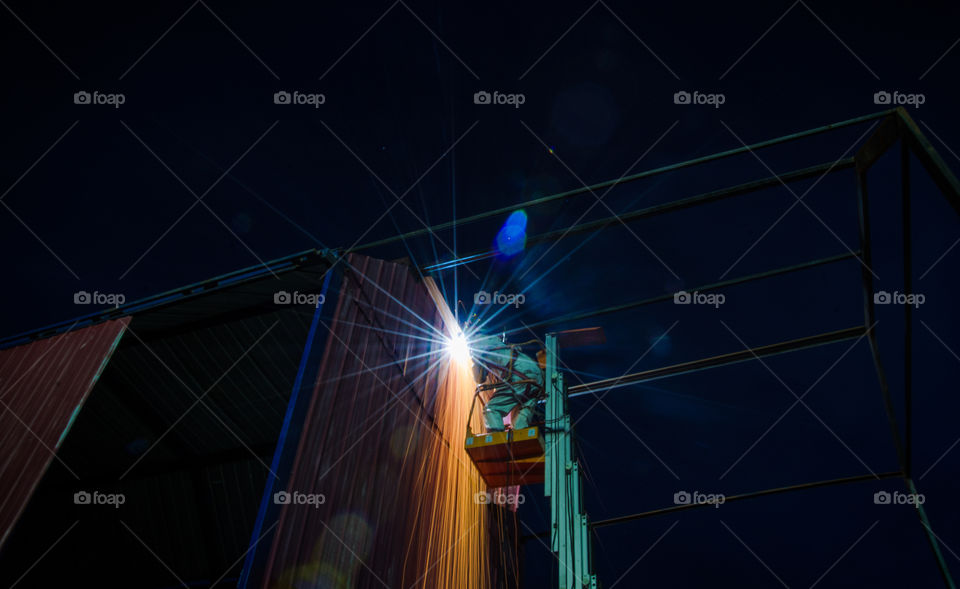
(508,458)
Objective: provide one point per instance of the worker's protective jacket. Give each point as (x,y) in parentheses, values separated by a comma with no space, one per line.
(505,363)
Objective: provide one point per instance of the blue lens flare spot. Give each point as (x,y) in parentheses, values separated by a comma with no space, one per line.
(512,237)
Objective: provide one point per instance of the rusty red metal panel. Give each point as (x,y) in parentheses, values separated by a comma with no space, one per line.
(43,385)
(383,443)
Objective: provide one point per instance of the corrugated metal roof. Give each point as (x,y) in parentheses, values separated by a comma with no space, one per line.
(149,394)
(42,387)
(192,472)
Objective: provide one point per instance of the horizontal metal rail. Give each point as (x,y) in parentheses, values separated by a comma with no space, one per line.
(685,203)
(730,498)
(702,288)
(751,495)
(606,384)
(610,183)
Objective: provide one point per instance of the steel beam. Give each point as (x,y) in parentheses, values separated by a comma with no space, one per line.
(701,288)
(728,498)
(606,384)
(907,310)
(931,160)
(932,538)
(869,311)
(751,495)
(684,203)
(626,179)
(879,142)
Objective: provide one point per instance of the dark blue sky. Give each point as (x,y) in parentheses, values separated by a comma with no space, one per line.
(104,199)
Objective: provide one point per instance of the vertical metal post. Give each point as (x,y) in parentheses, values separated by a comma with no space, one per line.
(555,433)
(907,309)
(869,312)
(932,538)
(569,531)
(908,362)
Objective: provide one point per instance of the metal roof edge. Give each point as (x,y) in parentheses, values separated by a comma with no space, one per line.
(177,295)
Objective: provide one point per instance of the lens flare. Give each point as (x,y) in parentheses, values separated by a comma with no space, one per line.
(512,237)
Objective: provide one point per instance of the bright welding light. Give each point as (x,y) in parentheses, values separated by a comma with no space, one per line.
(458,348)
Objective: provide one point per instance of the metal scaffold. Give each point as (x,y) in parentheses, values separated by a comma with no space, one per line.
(569,531)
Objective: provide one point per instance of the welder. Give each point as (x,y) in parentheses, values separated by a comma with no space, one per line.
(519,380)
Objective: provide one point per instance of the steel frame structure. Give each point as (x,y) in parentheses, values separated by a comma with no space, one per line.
(892,126)
(571,539)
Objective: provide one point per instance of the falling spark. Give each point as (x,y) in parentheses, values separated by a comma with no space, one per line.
(387,448)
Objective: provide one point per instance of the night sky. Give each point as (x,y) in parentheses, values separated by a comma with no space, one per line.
(192,164)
